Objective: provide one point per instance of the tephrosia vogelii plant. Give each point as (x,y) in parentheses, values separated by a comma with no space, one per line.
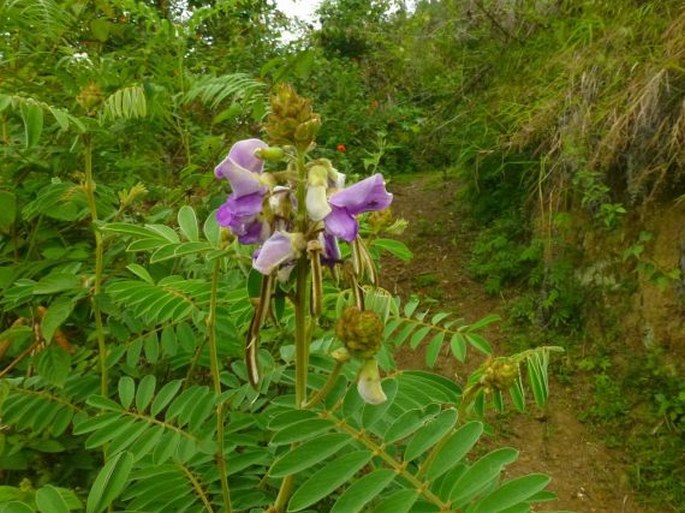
(254,364)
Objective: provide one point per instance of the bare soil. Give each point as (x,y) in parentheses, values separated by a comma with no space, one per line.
(587,476)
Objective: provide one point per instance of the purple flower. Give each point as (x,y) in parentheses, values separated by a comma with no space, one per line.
(331,251)
(364,196)
(241,210)
(280,248)
(241,164)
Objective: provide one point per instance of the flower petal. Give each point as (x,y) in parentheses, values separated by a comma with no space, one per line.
(278,249)
(254,232)
(248,205)
(341,224)
(243,154)
(317,202)
(369,383)
(364,196)
(331,250)
(243,182)
(249,228)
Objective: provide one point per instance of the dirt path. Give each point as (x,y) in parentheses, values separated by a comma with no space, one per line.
(586,476)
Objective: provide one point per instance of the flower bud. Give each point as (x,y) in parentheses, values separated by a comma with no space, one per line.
(369,383)
(380,219)
(272,153)
(90,97)
(360,331)
(291,120)
(499,373)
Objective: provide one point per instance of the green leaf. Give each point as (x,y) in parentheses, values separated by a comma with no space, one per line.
(517,393)
(511,493)
(427,436)
(141,272)
(433,349)
(308,454)
(373,413)
(59,311)
(187,221)
(32,116)
(165,232)
(49,500)
(16,507)
(134,230)
(288,417)
(405,425)
(103,403)
(110,482)
(398,502)
(168,341)
(394,247)
(100,29)
(6,101)
(165,396)
(212,230)
(8,212)
(57,282)
(479,343)
(480,475)
(363,491)
(127,389)
(151,348)
(454,449)
(61,117)
(54,364)
(146,390)
(458,346)
(417,337)
(301,431)
(485,321)
(328,479)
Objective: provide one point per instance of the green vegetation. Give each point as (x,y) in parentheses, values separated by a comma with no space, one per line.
(124,306)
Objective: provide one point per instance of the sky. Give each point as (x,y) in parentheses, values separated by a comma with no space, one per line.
(298,8)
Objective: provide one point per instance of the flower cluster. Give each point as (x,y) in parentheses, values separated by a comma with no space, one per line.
(298,212)
(263,209)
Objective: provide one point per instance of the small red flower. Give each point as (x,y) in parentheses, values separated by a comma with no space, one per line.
(341,148)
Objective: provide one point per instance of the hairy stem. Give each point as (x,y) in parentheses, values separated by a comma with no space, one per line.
(301,342)
(197,486)
(214,364)
(326,388)
(283,495)
(301,335)
(400,467)
(89,188)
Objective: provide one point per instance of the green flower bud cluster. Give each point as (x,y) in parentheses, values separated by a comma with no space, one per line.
(360,331)
(499,374)
(291,121)
(90,97)
(381,219)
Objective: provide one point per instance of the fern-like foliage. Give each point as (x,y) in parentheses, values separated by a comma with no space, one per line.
(212,90)
(46,17)
(126,103)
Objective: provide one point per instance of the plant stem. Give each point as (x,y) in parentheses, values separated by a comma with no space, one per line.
(326,388)
(301,342)
(283,495)
(401,468)
(214,364)
(302,335)
(301,338)
(198,488)
(89,188)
